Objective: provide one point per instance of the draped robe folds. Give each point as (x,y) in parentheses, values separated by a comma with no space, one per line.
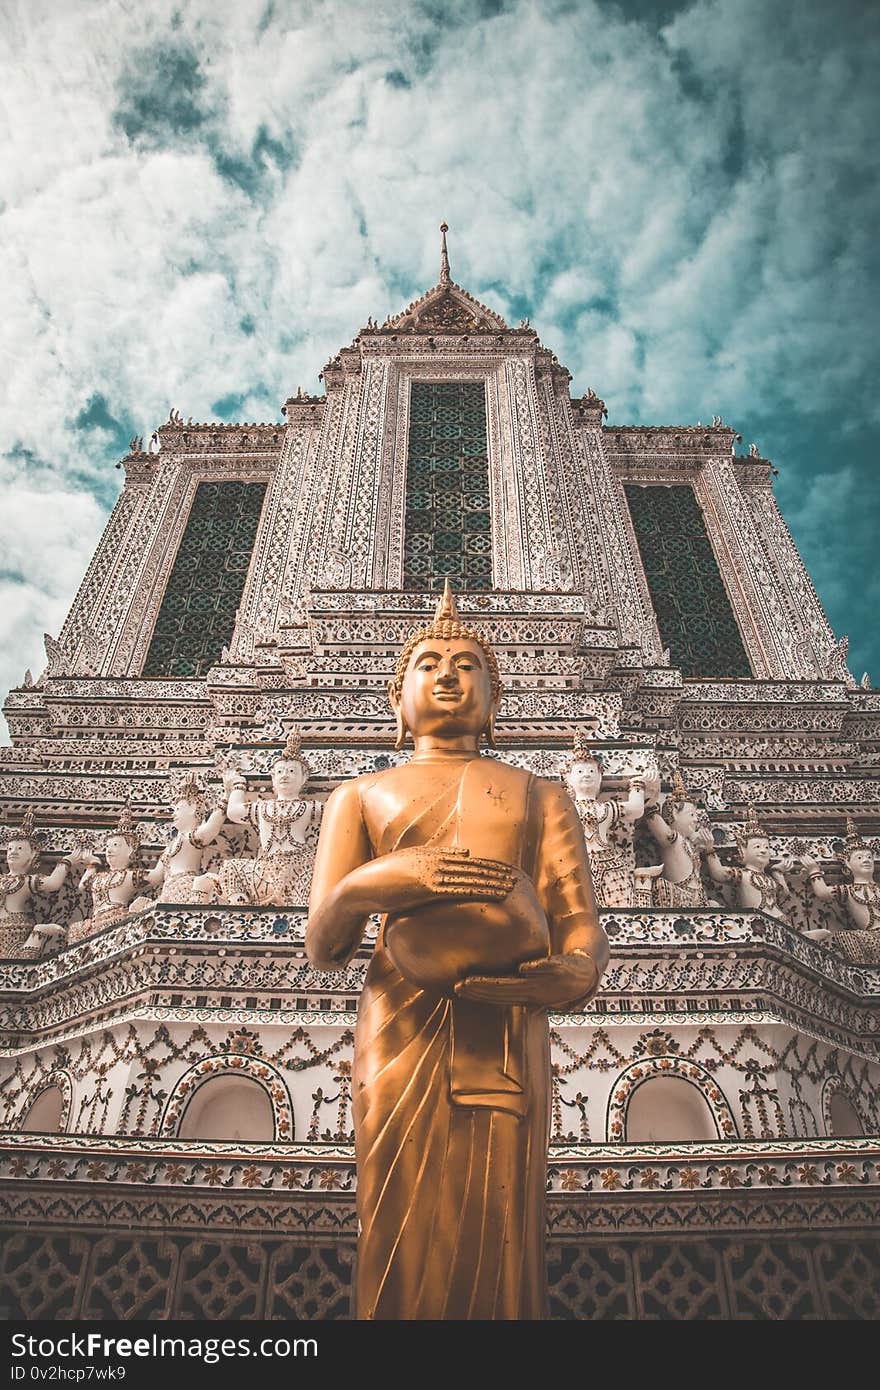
(451,1097)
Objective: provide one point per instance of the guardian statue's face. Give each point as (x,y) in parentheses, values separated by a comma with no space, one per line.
(585,779)
(757,852)
(861,863)
(447,689)
(685,819)
(118,852)
(186,816)
(20,856)
(288,778)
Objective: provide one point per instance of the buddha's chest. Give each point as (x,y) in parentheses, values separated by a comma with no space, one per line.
(482,808)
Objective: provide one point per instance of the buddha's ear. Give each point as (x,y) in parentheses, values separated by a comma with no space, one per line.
(402,730)
(489,730)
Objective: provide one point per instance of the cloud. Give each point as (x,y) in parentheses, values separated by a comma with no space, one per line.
(47,536)
(200,204)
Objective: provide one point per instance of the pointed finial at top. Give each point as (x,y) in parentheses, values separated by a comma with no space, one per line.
(445,274)
(447,608)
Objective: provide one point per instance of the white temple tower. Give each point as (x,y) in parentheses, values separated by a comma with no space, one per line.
(175,1086)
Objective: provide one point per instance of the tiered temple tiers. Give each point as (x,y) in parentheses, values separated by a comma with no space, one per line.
(175,1079)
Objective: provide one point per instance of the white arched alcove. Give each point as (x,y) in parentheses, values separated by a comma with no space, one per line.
(666,1109)
(46,1114)
(229,1107)
(845,1121)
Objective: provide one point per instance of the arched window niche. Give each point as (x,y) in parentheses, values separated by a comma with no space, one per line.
(47,1114)
(233,1097)
(843,1119)
(668,1110)
(229,1107)
(668,1100)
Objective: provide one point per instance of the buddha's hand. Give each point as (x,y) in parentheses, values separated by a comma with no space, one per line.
(553,982)
(421,875)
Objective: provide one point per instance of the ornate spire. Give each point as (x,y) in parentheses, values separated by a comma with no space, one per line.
(185,786)
(582,748)
(26,831)
(293,744)
(676,798)
(447,608)
(291,752)
(679,790)
(445,274)
(852,840)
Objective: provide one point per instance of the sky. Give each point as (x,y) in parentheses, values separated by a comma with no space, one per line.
(201,201)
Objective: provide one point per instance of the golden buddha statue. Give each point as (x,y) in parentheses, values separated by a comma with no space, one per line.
(489,919)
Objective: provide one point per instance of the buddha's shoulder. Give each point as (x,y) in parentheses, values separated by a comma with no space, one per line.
(353,788)
(552,794)
(545,790)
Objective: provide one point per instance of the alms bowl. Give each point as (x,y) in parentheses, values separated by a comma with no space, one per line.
(437,945)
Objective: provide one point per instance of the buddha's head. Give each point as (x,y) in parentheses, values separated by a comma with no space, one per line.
(23,847)
(185,815)
(447,683)
(756,852)
(860,863)
(21,855)
(289,771)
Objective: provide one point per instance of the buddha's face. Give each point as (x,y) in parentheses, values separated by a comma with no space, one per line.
(118,852)
(185,816)
(447,690)
(685,819)
(861,864)
(20,856)
(288,778)
(585,779)
(757,852)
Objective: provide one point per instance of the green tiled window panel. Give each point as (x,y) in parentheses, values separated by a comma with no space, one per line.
(447,529)
(693,610)
(204,588)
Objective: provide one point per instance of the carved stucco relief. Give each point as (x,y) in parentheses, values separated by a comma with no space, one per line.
(783,578)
